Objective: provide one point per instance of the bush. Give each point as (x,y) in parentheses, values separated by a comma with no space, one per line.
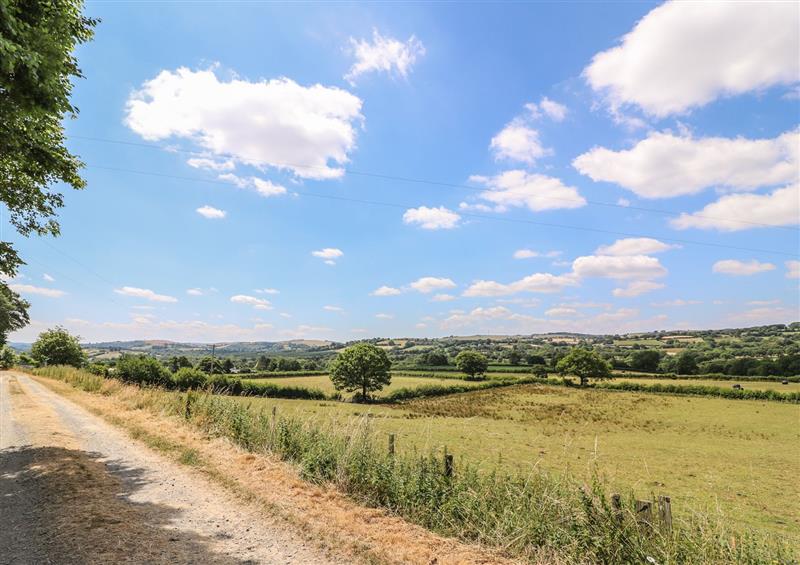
(7,357)
(142,370)
(98,369)
(187,378)
(57,347)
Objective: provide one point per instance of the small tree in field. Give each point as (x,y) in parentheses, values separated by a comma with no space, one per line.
(584,364)
(7,357)
(57,347)
(472,363)
(363,367)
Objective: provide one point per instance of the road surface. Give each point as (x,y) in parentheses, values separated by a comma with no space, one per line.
(74,489)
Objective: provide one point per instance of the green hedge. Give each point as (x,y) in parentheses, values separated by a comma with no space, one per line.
(706,376)
(700,390)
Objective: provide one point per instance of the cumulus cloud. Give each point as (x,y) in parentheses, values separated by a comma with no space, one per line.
(211,213)
(537,282)
(210,164)
(308,130)
(546,107)
(665,165)
(561,312)
(145,293)
(383,54)
(683,55)
(778,208)
(263,187)
(675,302)
(517,188)
(443,297)
(267,291)
(328,254)
(426,285)
(385,291)
(38,290)
(639,267)
(792,269)
(257,303)
(517,141)
(384,316)
(636,288)
(432,218)
(48,278)
(195,292)
(741,268)
(531,254)
(330,308)
(482,314)
(634,246)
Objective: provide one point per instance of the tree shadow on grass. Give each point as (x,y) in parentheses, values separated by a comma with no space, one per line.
(69,506)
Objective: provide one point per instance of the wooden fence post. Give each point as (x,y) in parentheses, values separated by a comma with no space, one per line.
(644,512)
(665,513)
(391,445)
(448,465)
(616,504)
(274,411)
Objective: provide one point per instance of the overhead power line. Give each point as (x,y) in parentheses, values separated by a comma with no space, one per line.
(442,184)
(466,214)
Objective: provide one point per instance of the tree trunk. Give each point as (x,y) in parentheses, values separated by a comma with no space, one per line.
(583,381)
(363,392)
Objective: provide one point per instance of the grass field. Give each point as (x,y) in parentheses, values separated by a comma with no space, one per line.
(323,382)
(746,383)
(740,458)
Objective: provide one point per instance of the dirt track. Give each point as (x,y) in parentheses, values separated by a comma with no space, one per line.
(74,489)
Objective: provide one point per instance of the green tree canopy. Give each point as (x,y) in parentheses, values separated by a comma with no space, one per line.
(645,360)
(363,367)
(37,65)
(13,312)
(584,364)
(472,363)
(57,347)
(7,357)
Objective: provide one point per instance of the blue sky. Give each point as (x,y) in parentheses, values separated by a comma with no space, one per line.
(595,168)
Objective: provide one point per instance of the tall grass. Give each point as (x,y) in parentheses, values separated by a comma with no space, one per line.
(532,516)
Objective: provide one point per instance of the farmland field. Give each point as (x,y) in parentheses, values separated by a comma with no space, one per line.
(747,383)
(738,458)
(323,382)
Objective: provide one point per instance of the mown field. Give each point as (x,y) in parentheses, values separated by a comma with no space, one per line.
(747,383)
(740,458)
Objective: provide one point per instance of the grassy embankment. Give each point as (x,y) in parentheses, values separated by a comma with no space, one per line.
(694,449)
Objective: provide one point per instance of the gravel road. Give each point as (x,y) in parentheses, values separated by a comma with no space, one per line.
(74,489)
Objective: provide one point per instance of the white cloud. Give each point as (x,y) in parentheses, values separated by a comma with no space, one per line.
(664,165)
(309,131)
(330,308)
(48,278)
(385,291)
(561,312)
(443,297)
(763,302)
(429,284)
(552,109)
(41,291)
(211,213)
(384,316)
(778,208)
(328,254)
(537,282)
(144,293)
(195,292)
(741,268)
(517,141)
(384,54)
(634,246)
(765,315)
(636,288)
(519,188)
(432,218)
(267,291)
(639,267)
(481,314)
(531,254)
(792,269)
(263,187)
(675,302)
(211,164)
(686,54)
(257,303)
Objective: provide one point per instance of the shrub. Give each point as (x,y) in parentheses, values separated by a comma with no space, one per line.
(98,369)
(7,357)
(142,370)
(187,378)
(57,347)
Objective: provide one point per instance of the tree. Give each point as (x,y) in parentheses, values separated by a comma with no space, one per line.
(142,369)
(13,312)
(210,365)
(686,363)
(472,363)
(362,366)
(514,356)
(58,347)
(262,364)
(532,359)
(7,357)
(584,364)
(646,360)
(36,67)
(227,365)
(179,362)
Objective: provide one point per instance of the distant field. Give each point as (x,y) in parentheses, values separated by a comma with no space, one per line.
(746,383)
(323,382)
(739,456)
